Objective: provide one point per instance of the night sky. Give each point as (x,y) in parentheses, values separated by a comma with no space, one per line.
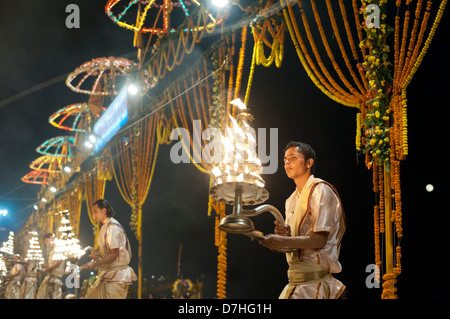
(36,47)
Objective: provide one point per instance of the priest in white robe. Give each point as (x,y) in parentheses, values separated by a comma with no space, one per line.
(112,258)
(314,227)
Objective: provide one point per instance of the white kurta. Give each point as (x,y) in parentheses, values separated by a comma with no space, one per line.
(325,213)
(13,289)
(113,236)
(114,278)
(29,285)
(50,287)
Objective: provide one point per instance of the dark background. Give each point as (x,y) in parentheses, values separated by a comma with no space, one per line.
(37,47)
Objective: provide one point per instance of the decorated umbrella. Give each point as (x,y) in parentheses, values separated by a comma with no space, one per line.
(86,78)
(36,177)
(156,17)
(150,12)
(69,117)
(48,163)
(60,146)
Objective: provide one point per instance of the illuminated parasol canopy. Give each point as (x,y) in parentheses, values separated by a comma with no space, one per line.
(86,78)
(157,14)
(69,117)
(48,163)
(59,146)
(36,177)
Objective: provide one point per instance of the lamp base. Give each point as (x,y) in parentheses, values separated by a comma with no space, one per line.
(251,194)
(236,224)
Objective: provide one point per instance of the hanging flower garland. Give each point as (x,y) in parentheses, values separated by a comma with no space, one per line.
(275,28)
(135,209)
(216,108)
(378,72)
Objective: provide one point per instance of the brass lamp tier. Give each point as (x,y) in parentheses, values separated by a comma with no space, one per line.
(251,194)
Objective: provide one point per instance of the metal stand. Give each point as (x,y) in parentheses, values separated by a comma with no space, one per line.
(239,221)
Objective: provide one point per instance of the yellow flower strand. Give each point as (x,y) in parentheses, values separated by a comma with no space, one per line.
(250,77)
(276,55)
(358,131)
(240,65)
(306,66)
(424,50)
(277,47)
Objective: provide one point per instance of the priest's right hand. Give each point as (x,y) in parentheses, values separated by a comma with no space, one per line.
(282,230)
(95,254)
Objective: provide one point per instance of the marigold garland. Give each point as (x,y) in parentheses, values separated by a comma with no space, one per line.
(389,290)
(358,131)
(424,49)
(377,69)
(343,52)
(397,198)
(398,265)
(240,62)
(250,77)
(376,222)
(220,241)
(307,63)
(382,123)
(276,55)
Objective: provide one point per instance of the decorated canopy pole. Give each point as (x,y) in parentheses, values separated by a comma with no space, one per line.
(369,81)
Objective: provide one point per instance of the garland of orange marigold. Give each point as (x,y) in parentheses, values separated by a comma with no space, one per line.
(378,133)
(382,124)
(220,240)
(240,66)
(324,82)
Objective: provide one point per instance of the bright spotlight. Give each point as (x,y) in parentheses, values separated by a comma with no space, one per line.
(44,200)
(53,189)
(35,207)
(91,141)
(67,169)
(220,3)
(3,212)
(429,188)
(133,89)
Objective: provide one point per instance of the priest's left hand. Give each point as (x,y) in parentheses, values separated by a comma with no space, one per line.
(88,266)
(273,241)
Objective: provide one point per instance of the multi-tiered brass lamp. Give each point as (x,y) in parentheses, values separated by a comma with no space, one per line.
(237,179)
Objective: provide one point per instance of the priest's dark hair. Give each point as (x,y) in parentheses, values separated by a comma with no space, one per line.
(103,203)
(306,150)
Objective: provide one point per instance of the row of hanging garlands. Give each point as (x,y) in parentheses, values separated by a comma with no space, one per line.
(133,156)
(366,64)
